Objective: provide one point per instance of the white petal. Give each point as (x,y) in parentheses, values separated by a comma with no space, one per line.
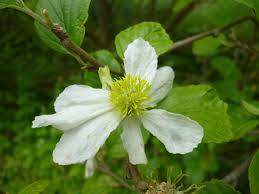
(178,133)
(140,59)
(72,117)
(82,143)
(133,141)
(162,84)
(89,167)
(80,95)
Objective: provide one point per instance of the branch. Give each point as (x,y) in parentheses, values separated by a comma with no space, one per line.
(104,17)
(255,132)
(77,52)
(234,175)
(72,47)
(133,173)
(106,170)
(30,13)
(170,8)
(244,46)
(182,14)
(213,32)
(152,9)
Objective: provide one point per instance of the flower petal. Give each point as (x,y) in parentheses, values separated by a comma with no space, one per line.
(133,141)
(162,84)
(80,95)
(140,59)
(89,167)
(178,133)
(72,117)
(82,143)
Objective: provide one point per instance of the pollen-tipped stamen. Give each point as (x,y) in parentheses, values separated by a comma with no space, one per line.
(130,95)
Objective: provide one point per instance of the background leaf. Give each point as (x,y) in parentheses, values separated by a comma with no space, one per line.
(248,3)
(35,188)
(70,14)
(254,4)
(227,83)
(103,184)
(152,32)
(217,187)
(226,67)
(107,58)
(9,3)
(207,46)
(242,121)
(199,163)
(201,103)
(252,108)
(254,175)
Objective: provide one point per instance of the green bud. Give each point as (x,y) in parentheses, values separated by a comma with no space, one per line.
(105,77)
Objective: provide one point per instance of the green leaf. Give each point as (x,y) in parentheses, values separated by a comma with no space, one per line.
(226,67)
(103,184)
(252,108)
(10,3)
(199,163)
(207,46)
(92,79)
(256,4)
(217,187)
(253,4)
(70,14)
(201,103)
(152,32)
(108,59)
(99,184)
(253,174)
(35,188)
(248,3)
(229,75)
(242,121)
(208,15)
(228,90)
(115,146)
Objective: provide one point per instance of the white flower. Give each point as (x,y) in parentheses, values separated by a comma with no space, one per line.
(87,116)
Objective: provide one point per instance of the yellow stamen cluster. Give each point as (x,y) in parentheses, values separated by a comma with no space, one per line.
(130,95)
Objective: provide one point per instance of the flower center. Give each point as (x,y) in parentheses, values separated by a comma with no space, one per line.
(129,95)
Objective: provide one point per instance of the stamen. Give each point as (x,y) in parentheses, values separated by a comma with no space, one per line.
(129,95)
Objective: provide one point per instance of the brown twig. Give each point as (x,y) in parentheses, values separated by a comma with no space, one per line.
(72,47)
(170,8)
(234,175)
(31,14)
(152,9)
(213,32)
(80,54)
(106,170)
(182,14)
(244,46)
(104,17)
(254,132)
(133,173)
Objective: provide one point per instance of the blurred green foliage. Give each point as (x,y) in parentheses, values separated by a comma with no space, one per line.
(253,175)
(32,75)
